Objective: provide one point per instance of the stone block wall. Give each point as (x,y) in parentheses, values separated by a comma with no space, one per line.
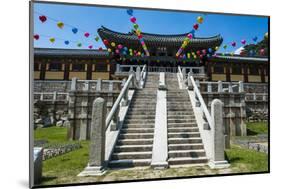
(234,111)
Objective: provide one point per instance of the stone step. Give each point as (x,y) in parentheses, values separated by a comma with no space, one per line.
(179,108)
(186,153)
(139,106)
(137,130)
(139,121)
(182,129)
(144,125)
(133,148)
(183,135)
(169,117)
(191,140)
(180,120)
(139,113)
(191,146)
(134,141)
(176,125)
(131,155)
(132,116)
(187,160)
(129,163)
(186,113)
(136,136)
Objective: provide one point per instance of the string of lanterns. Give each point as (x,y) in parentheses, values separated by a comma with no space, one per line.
(190,35)
(138,31)
(43,18)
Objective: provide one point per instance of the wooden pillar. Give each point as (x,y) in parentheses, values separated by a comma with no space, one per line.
(245,71)
(66,70)
(261,69)
(227,72)
(43,70)
(89,70)
(209,71)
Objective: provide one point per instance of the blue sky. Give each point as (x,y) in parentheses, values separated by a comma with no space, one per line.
(89,19)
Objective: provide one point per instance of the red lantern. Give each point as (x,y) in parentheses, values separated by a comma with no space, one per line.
(36,36)
(105,42)
(133,19)
(100,49)
(42,18)
(196,26)
(198,52)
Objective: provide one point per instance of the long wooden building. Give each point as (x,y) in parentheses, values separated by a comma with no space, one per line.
(64,64)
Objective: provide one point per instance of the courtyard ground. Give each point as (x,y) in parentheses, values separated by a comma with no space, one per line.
(64,169)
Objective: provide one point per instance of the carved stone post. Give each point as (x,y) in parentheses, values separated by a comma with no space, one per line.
(209,88)
(138,77)
(189,84)
(220,86)
(230,89)
(117,68)
(241,87)
(217,159)
(98,87)
(184,73)
(71,130)
(96,164)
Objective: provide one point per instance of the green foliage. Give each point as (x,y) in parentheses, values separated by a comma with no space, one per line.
(51,134)
(256,128)
(247,160)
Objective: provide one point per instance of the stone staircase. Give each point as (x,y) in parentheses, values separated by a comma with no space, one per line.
(185,145)
(135,141)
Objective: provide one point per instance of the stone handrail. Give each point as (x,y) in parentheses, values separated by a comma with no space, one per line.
(220,86)
(113,114)
(256,96)
(201,101)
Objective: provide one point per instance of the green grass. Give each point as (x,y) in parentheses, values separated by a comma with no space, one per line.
(256,128)
(65,168)
(245,160)
(52,134)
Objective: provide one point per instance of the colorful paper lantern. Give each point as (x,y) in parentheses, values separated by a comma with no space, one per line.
(52,40)
(233,44)
(100,48)
(79,44)
(210,50)
(200,19)
(60,25)
(113,44)
(216,48)
(105,42)
(133,19)
(119,46)
(130,12)
(43,18)
(86,34)
(255,38)
(266,35)
(243,41)
(109,50)
(196,26)
(66,42)
(74,30)
(136,26)
(190,36)
(90,46)
(225,46)
(97,38)
(36,36)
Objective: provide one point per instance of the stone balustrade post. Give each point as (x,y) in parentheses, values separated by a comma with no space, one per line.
(217,159)
(189,83)
(230,89)
(117,68)
(73,86)
(220,86)
(96,164)
(131,68)
(264,97)
(55,96)
(99,83)
(110,86)
(241,87)
(138,76)
(254,96)
(86,86)
(125,98)
(209,87)
(42,96)
(184,73)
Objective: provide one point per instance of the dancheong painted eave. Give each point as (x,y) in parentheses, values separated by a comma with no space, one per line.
(239,59)
(159,40)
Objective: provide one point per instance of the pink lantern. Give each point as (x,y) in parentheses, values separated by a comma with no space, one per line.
(204,51)
(233,44)
(120,46)
(117,51)
(86,34)
(190,36)
(243,41)
(90,46)
(133,19)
